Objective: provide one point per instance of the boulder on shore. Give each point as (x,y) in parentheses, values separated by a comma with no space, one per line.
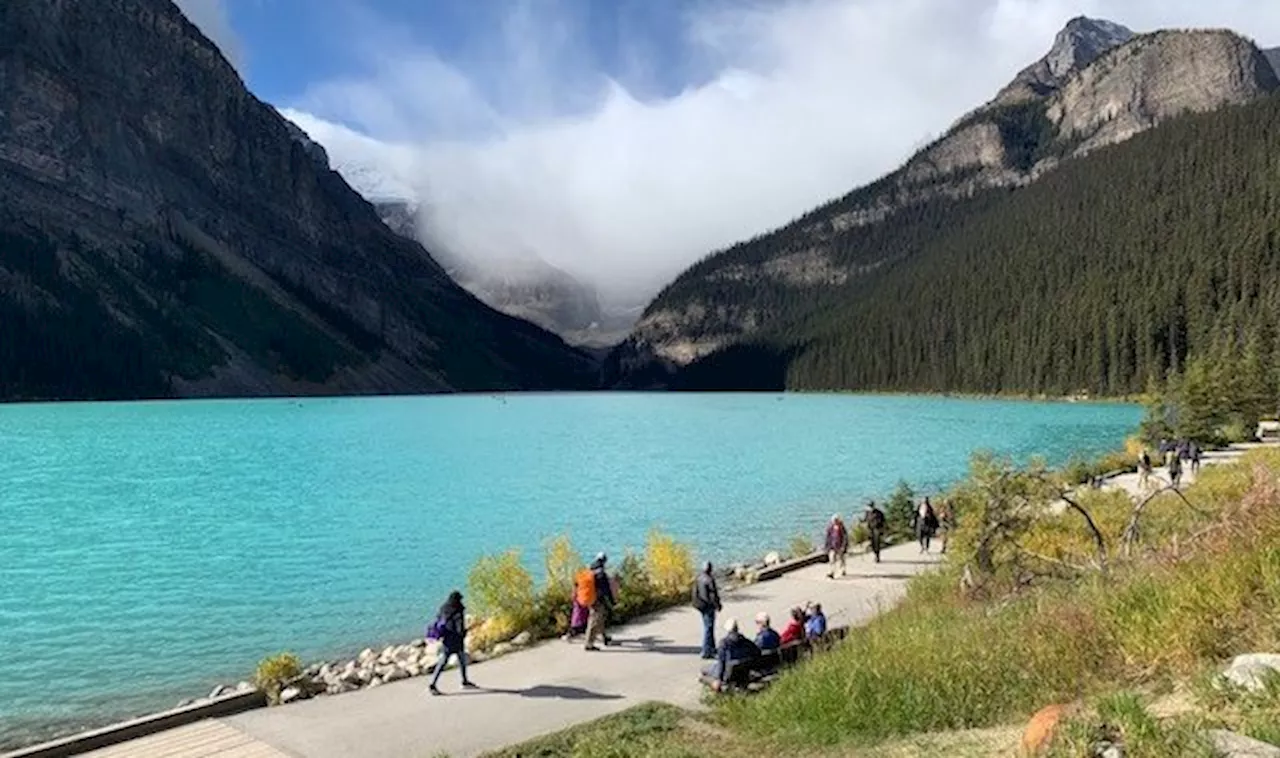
(1252,672)
(1232,745)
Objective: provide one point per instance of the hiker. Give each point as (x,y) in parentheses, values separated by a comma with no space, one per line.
(584,596)
(1175,470)
(1144,468)
(1195,458)
(602,605)
(706,598)
(734,650)
(873,517)
(837,546)
(794,630)
(450,628)
(926,523)
(767,637)
(815,624)
(946,523)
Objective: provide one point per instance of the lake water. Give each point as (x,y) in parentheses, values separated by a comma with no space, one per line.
(151,550)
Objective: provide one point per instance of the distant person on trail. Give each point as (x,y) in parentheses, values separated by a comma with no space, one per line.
(873,517)
(1195,458)
(767,638)
(946,523)
(926,523)
(837,545)
(734,650)
(794,630)
(1144,468)
(450,627)
(602,605)
(1175,470)
(706,598)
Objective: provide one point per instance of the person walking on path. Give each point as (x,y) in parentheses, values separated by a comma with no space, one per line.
(451,625)
(706,598)
(946,523)
(873,517)
(1144,469)
(1195,458)
(926,524)
(603,605)
(837,546)
(1175,470)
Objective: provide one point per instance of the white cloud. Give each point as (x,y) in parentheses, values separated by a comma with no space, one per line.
(805,100)
(210,17)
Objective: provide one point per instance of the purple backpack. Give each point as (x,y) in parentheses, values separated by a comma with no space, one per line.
(435,630)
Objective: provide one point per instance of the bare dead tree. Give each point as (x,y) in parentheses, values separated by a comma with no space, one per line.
(1099,541)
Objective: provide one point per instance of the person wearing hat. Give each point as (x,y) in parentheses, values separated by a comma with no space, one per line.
(706,598)
(734,650)
(837,546)
(603,605)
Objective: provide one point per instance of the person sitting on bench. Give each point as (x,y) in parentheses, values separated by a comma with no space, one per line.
(734,651)
(794,630)
(767,637)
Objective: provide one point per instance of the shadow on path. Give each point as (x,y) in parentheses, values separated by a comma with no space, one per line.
(652,644)
(556,691)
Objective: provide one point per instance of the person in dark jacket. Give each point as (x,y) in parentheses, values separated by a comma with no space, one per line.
(706,598)
(735,650)
(767,638)
(453,640)
(604,603)
(837,545)
(873,517)
(926,524)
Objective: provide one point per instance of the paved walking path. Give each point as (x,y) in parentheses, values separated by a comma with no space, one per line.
(549,687)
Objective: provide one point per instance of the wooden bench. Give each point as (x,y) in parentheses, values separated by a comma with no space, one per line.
(756,674)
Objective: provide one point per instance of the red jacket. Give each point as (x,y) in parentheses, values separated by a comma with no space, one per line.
(794,632)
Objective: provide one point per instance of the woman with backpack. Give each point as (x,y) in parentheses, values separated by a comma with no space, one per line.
(450,627)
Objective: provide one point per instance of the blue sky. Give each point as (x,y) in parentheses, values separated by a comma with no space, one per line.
(290,45)
(623,139)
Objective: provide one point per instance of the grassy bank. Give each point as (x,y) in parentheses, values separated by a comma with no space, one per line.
(1034,608)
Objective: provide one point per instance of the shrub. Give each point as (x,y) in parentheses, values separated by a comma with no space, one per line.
(669,565)
(562,564)
(859,534)
(800,546)
(899,512)
(635,588)
(500,585)
(274,673)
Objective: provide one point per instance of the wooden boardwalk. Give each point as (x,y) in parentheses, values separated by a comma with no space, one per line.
(204,739)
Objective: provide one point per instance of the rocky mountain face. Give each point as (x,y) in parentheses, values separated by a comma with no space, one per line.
(165,233)
(1273,57)
(1098,86)
(523,286)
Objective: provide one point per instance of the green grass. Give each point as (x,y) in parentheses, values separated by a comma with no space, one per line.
(646,731)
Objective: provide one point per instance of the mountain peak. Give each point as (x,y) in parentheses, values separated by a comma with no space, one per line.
(1080,43)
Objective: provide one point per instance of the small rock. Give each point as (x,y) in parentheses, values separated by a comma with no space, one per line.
(245,687)
(419,643)
(523,639)
(478,656)
(739,572)
(290,694)
(367,655)
(414,669)
(185,703)
(1252,672)
(1108,750)
(374,682)
(1041,728)
(772,559)
(502,648)
(219,691)
(432,650)
(1232,745)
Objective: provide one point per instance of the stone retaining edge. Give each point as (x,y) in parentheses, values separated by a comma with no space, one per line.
(777,570)
(133,729)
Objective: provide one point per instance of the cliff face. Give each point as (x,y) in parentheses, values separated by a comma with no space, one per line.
(163,232)
(1100,85)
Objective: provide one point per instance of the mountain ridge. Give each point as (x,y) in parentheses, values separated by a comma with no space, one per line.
(165,233)
(997,146)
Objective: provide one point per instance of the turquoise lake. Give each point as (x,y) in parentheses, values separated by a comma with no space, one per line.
(152,550)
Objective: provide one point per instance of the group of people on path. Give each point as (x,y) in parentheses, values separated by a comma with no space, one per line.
(1176,455)
(808,622)
(926,523)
